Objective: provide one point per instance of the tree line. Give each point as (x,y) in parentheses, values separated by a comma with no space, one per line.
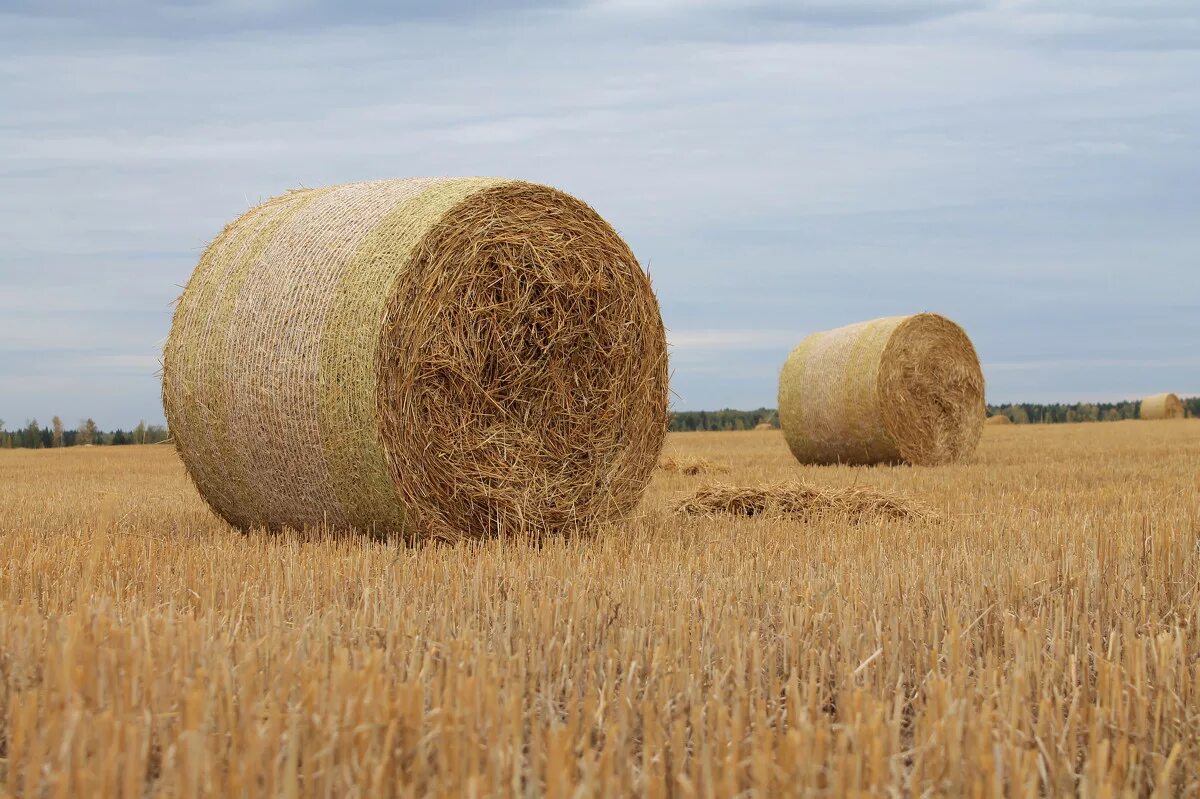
(35,436)
(725,419)
(1054,413)
(1021,413)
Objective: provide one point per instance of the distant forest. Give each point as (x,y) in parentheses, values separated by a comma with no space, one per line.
(1034,413)
(1022,413)
(35,436)
(726,419)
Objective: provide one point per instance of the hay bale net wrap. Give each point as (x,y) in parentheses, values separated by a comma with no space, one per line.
(1161,406)
(900,388)
(433,356)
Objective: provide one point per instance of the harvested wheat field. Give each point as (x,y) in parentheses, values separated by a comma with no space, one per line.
(1038,638)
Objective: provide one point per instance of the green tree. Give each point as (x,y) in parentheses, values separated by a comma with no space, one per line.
(33,434)
(87,432)
(57,437)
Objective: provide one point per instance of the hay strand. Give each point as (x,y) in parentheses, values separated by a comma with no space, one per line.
(451,357)
(801,500)
(1161,406)
(691,466)
(900,388)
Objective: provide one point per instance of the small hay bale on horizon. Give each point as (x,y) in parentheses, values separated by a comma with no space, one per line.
(426,357)
(764,426)
(899,388)
(998,419)
(1161,406)
(800,500)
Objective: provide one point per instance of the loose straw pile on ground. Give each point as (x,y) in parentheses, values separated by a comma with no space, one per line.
(1161,406)
(691,466)
(434,356)
(999,418)
(901,388)
(801,500)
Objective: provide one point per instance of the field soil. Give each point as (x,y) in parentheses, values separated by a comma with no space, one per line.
(1039,637)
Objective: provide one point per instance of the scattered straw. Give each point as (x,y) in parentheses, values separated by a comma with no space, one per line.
(901,388)
(436,356)
(691,466)
(1161,406)
(801,500)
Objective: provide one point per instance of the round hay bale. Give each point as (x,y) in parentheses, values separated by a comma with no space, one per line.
(900,388)
(998,419)
(764,426)
(1161,406)
(448,357)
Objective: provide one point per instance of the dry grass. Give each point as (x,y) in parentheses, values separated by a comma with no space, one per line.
(691,466)
(800,500)
(1041,641)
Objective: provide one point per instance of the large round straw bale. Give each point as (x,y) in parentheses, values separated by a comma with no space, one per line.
(1161,406)
(435,356)
(999,418)
(900,388)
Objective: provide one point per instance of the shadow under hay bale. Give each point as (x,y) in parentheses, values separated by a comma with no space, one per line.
(802,501)
(438,357)
(900,388)
(691,466)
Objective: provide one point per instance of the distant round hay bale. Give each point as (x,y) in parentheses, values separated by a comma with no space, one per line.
(1161,406)
(999,418)
(764,426)
(448,357)
(900,388)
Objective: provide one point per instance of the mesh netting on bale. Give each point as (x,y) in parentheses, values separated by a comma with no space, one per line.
(900,388)
(998,419)
(447,357)
(1161,406)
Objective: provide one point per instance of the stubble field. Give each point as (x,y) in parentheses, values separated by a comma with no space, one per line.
(1040,639)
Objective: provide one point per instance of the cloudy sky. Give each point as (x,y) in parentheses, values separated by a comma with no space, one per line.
(1030,169)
